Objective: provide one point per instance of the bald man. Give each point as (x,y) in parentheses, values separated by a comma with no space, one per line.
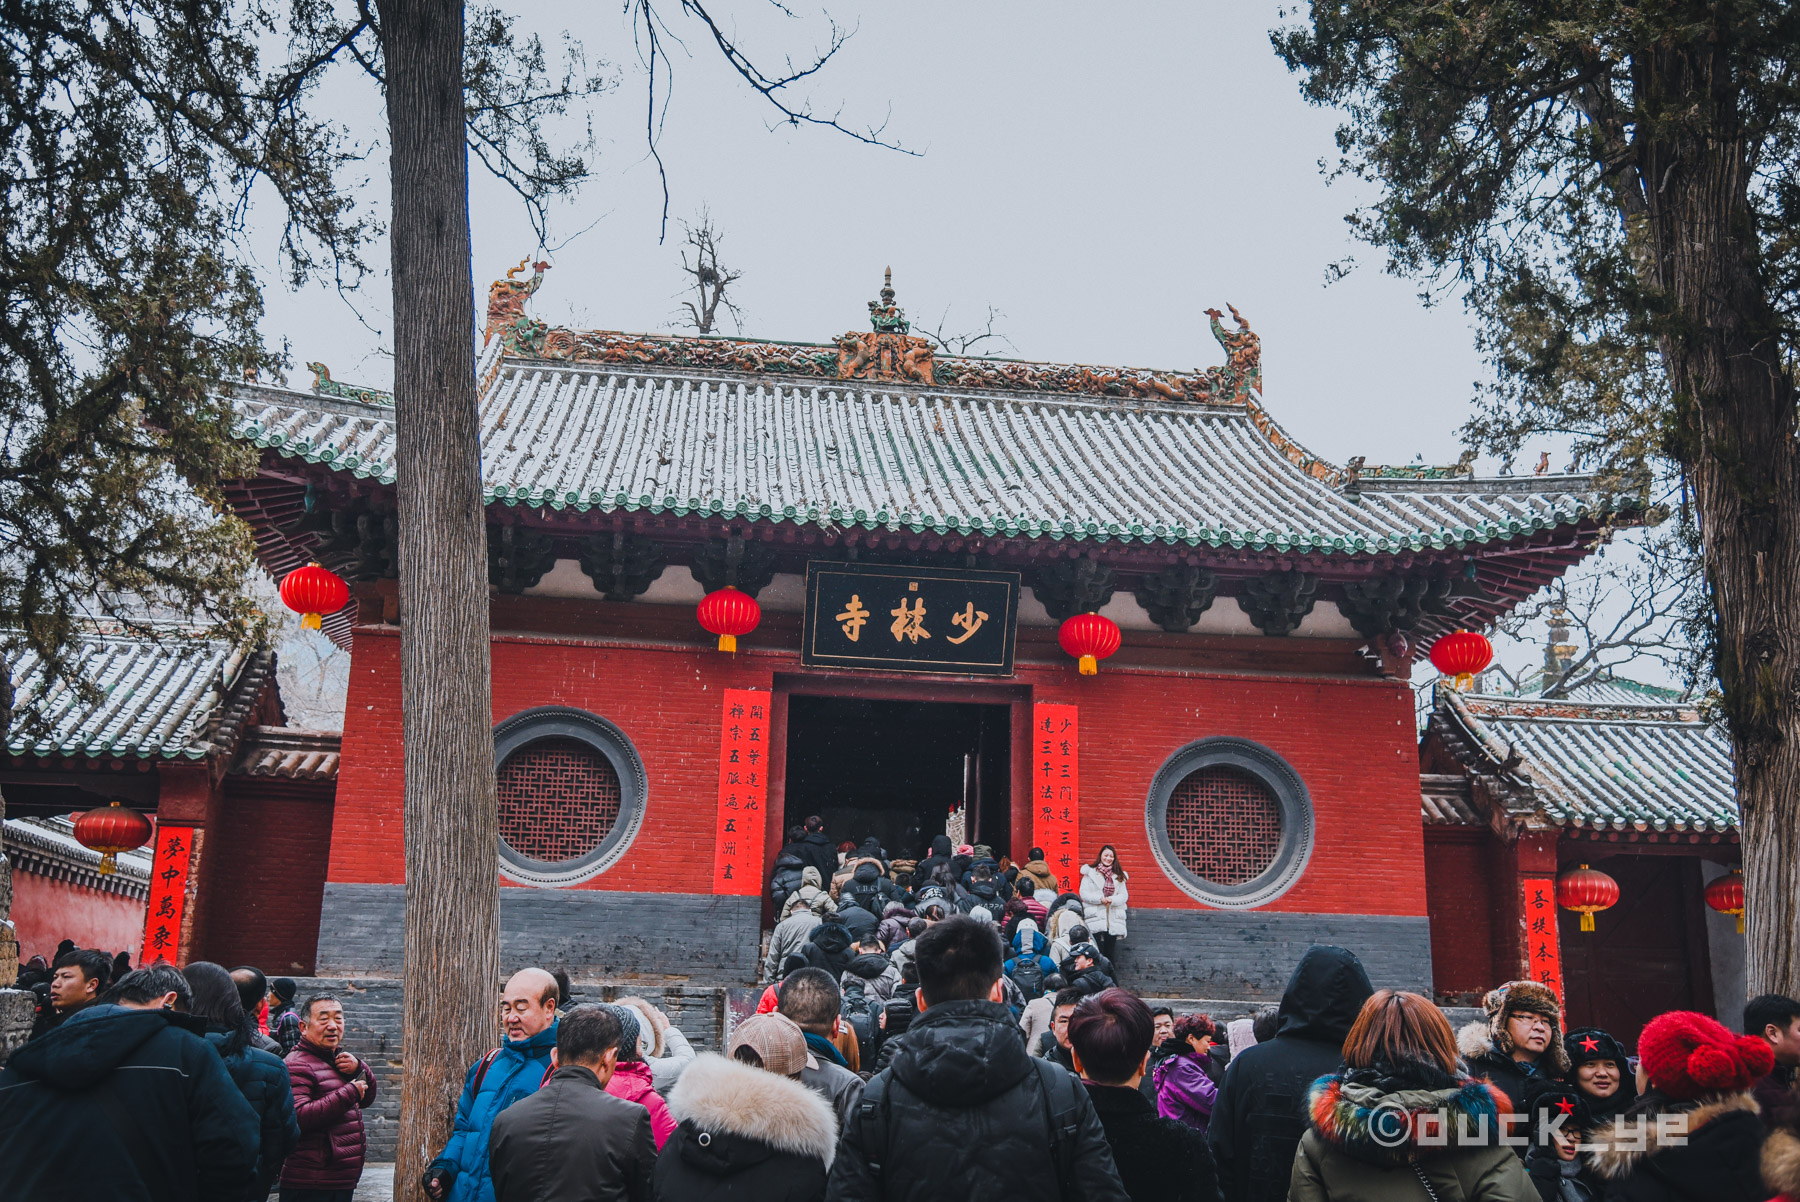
(496,1081)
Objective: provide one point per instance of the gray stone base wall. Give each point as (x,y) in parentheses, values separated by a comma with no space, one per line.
(1249,955)
(372,1031)
(594,933)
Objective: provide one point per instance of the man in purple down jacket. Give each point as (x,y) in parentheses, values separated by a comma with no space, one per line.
(331,1090)
(1184,1090)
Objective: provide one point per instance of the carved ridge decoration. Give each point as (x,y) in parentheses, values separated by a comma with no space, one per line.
(744,565)
(622,566)
(1074,586)
(889,351)
(506,305)
(1359,469)
(324,385)
(1276,602)
(1384,605)
(1176,597)
(1292,451)
(518,557)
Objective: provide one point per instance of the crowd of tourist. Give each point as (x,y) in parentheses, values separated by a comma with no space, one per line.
(927,1076)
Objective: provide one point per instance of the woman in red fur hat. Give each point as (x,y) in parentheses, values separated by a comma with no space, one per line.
(1693,1133)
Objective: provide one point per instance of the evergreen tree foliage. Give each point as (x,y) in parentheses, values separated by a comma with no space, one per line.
(1616,188)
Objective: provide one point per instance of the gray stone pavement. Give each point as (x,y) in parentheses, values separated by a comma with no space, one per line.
(377,1184)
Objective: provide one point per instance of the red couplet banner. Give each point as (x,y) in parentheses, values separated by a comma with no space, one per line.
(1056,790)
(743,793)
(174,849)
(1543,952)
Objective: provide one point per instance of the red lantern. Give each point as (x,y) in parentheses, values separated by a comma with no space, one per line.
(1726,895)
(1462,654)
(1586,891)
(314,591)
(1090,638)
(110,830)
(728,613)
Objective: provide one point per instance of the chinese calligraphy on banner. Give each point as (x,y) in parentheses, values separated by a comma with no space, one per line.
(1056,791)
(743,793)
(1542,951)
(174,848)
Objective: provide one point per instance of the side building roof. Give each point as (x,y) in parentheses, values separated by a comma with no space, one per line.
(170,697)
(1607,765)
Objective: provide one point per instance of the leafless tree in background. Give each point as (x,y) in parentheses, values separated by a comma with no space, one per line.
(712,281)
(965,342)
(1635,601)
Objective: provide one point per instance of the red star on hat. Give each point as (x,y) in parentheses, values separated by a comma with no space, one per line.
(1565,1106)
(1590,1044)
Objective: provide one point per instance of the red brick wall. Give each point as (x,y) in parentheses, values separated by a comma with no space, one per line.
(265,857)
(46,911)
(1350,741)
(1459,887)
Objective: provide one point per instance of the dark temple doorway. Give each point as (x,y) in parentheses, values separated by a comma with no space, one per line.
(897,769)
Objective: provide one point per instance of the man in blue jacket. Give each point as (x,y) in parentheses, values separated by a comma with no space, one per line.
(500,1078)
(175,1128)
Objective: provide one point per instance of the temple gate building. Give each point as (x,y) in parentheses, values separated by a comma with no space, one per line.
(913,527)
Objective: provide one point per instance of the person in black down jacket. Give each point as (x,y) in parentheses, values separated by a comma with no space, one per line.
(748,1130)
(815,849)
(1260,1115)
(828,946)
(964,1111)
(1159,1159)
(72,1122)
(571,1141)
(259,1075)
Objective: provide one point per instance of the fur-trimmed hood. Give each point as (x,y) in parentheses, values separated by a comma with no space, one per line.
(1384,1121)
(1616,1149)
(1781,1162)
(716,1094)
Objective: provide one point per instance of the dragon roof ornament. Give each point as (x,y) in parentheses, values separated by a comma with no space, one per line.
(887,351)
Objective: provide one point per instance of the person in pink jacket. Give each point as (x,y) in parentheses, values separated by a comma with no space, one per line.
(1185,1091)
(631,1080)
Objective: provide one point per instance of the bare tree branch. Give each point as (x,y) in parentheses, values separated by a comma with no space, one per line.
(964,342)
(649,29)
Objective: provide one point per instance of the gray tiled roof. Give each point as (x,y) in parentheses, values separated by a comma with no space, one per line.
(1650,767)
(606,437)
(169,697)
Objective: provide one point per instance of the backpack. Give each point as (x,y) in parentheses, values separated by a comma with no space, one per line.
(858,1011)
(1028,974)
(1061,1101)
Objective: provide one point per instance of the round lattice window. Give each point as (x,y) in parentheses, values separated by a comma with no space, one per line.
(1230,822)
(1225,825)
(558,799)
(571,794)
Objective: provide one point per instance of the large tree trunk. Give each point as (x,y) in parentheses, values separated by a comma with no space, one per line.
(452,955)
(1735,431)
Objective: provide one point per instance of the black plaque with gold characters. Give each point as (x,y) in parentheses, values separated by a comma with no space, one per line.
(898,619)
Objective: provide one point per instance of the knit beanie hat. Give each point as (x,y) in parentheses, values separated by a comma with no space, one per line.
(1591,1043)
(1527,997)
(628,1023)
(1546,1099)
(652,1023)
(1688,1055)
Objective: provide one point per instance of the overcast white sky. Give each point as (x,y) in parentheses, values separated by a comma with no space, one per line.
(1101,175)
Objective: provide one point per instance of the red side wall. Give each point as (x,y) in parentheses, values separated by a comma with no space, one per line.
(1350,741)
(45,912)
(265,862)
(1459,887)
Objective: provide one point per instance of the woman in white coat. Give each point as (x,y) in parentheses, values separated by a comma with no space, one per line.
(1103,899)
